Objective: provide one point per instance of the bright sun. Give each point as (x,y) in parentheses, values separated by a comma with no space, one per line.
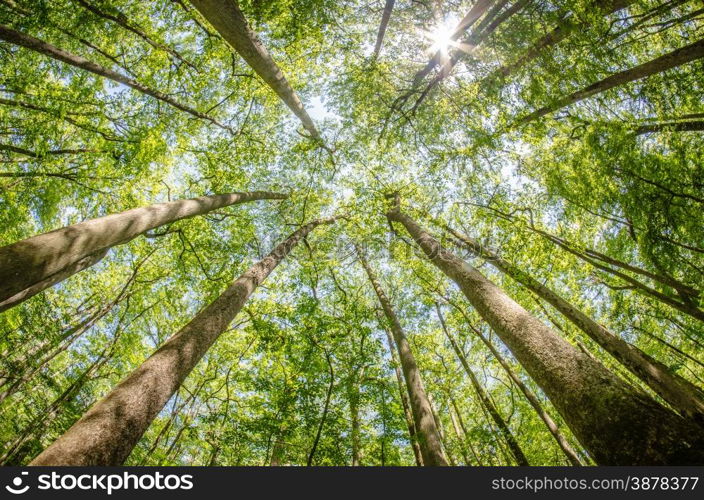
(441,37)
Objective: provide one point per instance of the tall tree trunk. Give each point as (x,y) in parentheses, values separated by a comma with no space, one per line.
(49,414)
(106,434)
(30,262)
(353,397)
(57,277)
(684,396)
(615,422)
(684,126)
(460,438)
(407,413)
(555,36)
(40,46)
(121,19)
(600,261)
(428,434)
(326,408)
(469,44)
(441,430)
(457,419)
(532,398)
(484,398)
(388,8)
(674,59)
(227,19)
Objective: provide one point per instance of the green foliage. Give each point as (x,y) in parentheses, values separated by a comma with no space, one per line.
(583,173)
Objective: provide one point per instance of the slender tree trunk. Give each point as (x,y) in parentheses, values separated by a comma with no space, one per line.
(684,396)
(326,408)
(47,417)
(227,19)
(408,414)
(353,397)
(468,45)
(615,422)
(106,434)
(441,430)
(121,20)
(53,152)
(40,46)
(554,37)
(34,262)
(530,396)
(686,305)
(460,438)
(684,126)
(484,398)
(466,440)
(428,434)
(592,256)
(388,8)
(674,59)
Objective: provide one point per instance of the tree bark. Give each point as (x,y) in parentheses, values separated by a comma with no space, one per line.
(57,277)
(569,452)
(685,305)
(108,432)
(428,434)
(684,396)
(684,126)
(326,407)
(388,8)
(40,46)
(407,413)
(676,58)
(554,37)
(122,21)
(35,261)
(457,419)
(227,19)
(484,398)
(616,423)
(353,397)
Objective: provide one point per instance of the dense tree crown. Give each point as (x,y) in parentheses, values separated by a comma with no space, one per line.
(335,232)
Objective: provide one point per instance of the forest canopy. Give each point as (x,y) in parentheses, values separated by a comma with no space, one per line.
(336,232)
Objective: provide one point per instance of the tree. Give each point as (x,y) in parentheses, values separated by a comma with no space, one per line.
(228,20)
(568,376)
(107,433)
(429,438)
(35,262)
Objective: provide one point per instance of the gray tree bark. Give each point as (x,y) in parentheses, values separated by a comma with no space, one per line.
(227,19)
(40,46)
(108,432)
(30,265)
(616,423)
(407,413)
(676,58)
(484,398)
(684,396)
(428,434)
(385,16)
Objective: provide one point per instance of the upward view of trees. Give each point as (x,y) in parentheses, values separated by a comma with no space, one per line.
(331,232)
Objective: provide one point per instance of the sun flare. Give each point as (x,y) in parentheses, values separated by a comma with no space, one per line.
(441,37)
